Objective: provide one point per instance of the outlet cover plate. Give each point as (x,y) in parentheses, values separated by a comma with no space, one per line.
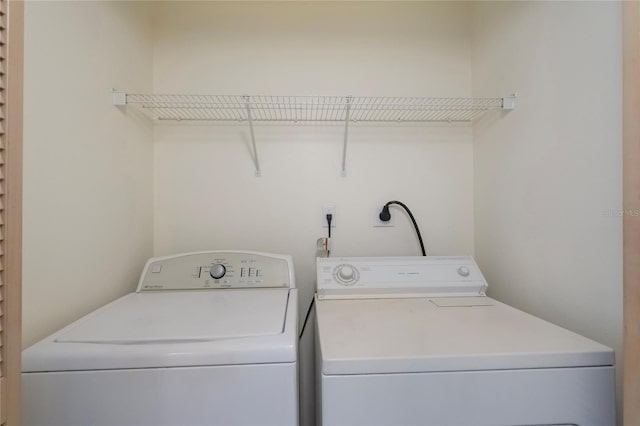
(375,218)
(328,209)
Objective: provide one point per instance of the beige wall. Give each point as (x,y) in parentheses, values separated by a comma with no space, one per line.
(87,166)
(206,195)
(549,175)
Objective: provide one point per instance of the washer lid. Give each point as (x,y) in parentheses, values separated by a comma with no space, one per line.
(368,336)
(175,329)
(183,317)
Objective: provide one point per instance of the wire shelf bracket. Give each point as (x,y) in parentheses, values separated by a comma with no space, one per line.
(338,109)
(256,162)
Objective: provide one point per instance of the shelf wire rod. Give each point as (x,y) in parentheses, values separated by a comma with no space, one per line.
(324,108)
(367,107)
(418,110)
(227,113)
(224,112)
(472,115)
(443,115)
(407,110)
(214,110)
(238,103)
(431,113)
(402,111)
(425,114)
(279,101)
(464,115)
(331,113)
(335,110)
(476,114)
(221,112)
(193,109)
(410,110)
(398,111)
(359,109)
(164,113)
(270,108)
(385,113)
(292,108)
(253,137)
(257,110)
(346,137)
(188,108)
(287,108)
(202,111)
(388,109)
(171,113)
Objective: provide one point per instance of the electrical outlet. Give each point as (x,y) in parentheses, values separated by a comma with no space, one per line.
(375,218)
(328,210)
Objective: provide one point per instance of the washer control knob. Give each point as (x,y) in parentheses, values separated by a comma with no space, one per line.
(346,273)
(463,271)
(217,271)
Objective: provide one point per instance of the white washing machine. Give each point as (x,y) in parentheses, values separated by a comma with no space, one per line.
(208,338)
(415,341)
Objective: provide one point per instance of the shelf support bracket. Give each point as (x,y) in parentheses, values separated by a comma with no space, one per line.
(347,113)
(509,102)
(119,98)
(247,100)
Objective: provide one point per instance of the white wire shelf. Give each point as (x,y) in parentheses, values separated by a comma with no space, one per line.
(310,108)
(344,109)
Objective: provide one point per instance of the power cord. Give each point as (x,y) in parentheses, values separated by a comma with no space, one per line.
(313,299)
(329,219)
(385,216)
(306,318)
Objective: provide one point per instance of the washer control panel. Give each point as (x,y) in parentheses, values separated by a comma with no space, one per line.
(216,270)
(380,276)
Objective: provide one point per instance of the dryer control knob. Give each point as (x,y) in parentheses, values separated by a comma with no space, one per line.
(217,270)
(346,273)
(463,271)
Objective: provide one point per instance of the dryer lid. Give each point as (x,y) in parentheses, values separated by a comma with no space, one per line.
(145,318)
(376,336)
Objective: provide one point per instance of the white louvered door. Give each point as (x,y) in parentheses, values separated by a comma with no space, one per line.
(11,77)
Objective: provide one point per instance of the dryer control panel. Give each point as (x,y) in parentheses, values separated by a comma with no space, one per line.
(353,277)
(217,270)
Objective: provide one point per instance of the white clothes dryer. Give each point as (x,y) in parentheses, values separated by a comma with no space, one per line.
(208,338)
(415,341)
